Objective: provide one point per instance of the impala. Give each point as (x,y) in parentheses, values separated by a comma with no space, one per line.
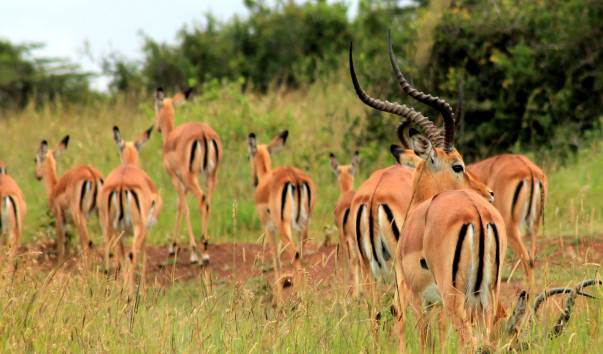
(521,188)
(189,151)
(431,257)
(12,211)
(284,199)
(129,203)
(345,177)
(72,198)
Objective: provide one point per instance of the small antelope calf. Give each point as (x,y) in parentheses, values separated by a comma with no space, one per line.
(343,221)
(284,199)
(129,203)
(72,198)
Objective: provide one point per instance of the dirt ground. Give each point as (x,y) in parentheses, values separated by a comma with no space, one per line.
(242,262)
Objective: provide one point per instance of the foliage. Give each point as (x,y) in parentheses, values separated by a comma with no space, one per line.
(25,79)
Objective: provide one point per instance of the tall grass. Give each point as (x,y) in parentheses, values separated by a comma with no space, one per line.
(82,310)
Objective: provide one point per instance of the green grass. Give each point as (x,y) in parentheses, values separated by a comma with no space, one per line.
(84,311)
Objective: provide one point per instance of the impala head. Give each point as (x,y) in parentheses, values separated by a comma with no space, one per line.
(439,166)
(129,150)
(259,155)
(345,173)
(164,107)
(437,170)
(46,159)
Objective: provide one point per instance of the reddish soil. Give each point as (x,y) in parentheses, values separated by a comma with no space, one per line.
(251,261)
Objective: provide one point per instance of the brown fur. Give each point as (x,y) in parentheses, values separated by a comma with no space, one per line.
(11,223)
(128,202)
(65,194)
(178,143)
(504,173)
(279,217)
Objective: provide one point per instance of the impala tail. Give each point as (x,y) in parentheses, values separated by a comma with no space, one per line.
(204,156)
(480,243)
(296,199)
(9,214)
(125,210)
(88,195)
(528,203)
(370,238)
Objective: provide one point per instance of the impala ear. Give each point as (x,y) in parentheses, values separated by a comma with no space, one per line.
(334,165)
(143,138)
(406,158)
(278,142)
(2,168)
(61,147)
(355,162)
(42,150)
(118,140)
(252,145)
(421,145)
(181,97)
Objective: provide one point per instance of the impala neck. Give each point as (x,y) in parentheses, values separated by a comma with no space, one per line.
(263,164)
(346,182)
(166,121)
(423,185)
(49,174)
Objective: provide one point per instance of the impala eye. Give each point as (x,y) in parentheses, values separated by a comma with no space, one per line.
(458,168)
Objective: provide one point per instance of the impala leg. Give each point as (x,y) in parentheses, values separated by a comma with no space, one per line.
(343,256)
(514,239)
(211,185)
(442,327)
(193,186)
(399,309)
(295,254)
(137,246)
(80,223)
(277,286)
(60,236)
(454,307)
(181,206)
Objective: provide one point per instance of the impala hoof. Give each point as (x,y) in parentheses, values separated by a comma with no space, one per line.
(194,258)
(205,260)
(172,249)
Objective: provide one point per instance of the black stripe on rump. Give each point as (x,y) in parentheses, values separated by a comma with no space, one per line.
(205,153)
(392,221)
(516,195)
(284,199)
(346,214)
(358,233)
(82,194)
(480,267)
(531,194)
(94,195)
(217,152)
(457,252)
(136,200)
(298,203)
(495,230)
(121,204)
(12,201)
(372,232)
(193,149)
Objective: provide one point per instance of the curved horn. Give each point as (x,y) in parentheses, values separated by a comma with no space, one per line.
(565,316)
(442,106)
(432,132)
